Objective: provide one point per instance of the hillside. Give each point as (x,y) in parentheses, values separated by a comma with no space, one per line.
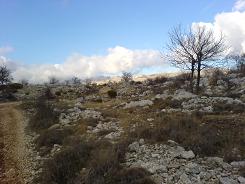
(154,131)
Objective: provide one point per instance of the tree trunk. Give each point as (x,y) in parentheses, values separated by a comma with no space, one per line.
(198,76)
(192,75)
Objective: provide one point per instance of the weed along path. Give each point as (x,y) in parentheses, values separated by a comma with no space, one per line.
(15,163)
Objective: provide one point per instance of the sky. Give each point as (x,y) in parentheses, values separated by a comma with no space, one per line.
(89,38)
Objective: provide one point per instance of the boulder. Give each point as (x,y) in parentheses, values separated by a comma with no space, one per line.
(187,154)
(141,103)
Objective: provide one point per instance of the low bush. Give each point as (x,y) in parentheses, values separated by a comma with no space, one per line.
(50,137)
(112,93)
(133,176)
(223,108)
(157,80)
(44,117)
(58,93)
(66,164)
(168,103)
(242,171)
(105,168)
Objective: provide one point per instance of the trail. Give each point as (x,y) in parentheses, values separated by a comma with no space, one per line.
(15,161)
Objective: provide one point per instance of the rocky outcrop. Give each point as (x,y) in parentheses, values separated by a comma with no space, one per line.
(171,163)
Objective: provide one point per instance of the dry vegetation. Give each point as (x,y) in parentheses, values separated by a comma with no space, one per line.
(91,159)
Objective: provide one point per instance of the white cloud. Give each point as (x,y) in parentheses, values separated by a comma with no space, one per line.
(232,25)
(116,60)
(239,5)
(5,50)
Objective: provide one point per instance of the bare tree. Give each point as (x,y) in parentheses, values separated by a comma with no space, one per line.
(195,50)
(53,80)
(76,80)
(5,75)
(127,77)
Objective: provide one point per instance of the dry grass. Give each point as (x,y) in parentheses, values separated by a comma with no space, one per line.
(106,168)
(65,165)
(44,117)
(48,138)
(101,160)
(215,135)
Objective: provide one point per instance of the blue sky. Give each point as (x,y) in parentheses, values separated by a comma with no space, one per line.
(66,38)
(48,31)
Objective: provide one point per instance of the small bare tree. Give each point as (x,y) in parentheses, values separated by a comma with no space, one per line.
(195,50)
(76,80)
(5,75)
(127,77)
(53,80)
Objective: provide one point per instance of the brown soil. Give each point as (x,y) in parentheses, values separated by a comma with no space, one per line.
(14,160)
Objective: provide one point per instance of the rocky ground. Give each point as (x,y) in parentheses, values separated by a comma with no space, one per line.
(152,117)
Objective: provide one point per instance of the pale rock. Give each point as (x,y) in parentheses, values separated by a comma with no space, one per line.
(187,154)
(55,126)
(86,114)
(182,94)
(241,179)
(141,103)
(134,146)
(227,180)
(184,179)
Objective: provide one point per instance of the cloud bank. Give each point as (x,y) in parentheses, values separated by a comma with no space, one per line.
(232,25)
(117,60)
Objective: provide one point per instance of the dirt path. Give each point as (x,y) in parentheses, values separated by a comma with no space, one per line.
(15,162)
